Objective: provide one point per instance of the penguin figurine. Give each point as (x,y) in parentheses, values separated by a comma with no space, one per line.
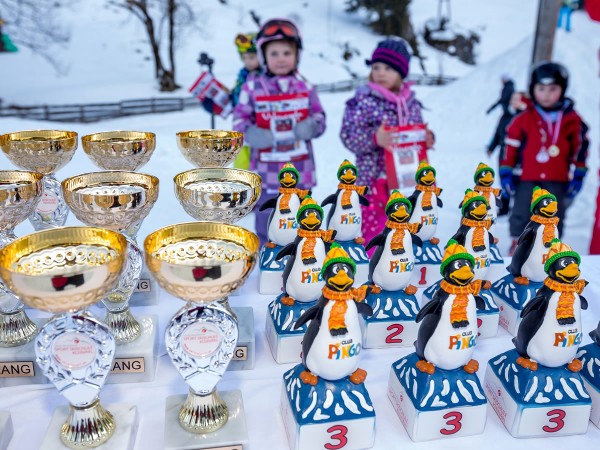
(448,332)
(473,232)
(281,227)
(394,247)
(550,331)
(333,340)
(345,215)
(425,201)
(528,260)
(484,178)
(301,279)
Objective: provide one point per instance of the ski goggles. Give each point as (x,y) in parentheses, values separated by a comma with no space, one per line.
(278,28)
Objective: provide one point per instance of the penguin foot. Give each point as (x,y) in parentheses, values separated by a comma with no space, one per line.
(375,289)
(575,366)
(398,251)
(270,244)
(338,331)
(311,260)
(358,376)
(527,363)
(359,240)
(479,248)
(287,300)
(425,366)
(410,289)
(486,284)
(496,240)
(434,241)
(471,367)
(523,281)
(309,378)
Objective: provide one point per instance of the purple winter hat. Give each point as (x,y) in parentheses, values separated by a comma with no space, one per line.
(395,52)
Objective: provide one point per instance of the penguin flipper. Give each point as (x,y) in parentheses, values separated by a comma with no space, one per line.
(364,308)
(479,302)
(364,201)
(313,328)
(412,198)
(522,251)
(461,235)
(432,307)
(595,335)
(537,303)
(330,199)
(376,241)
(491,237)
(269,204)
(309,314)
(528,327)
(417,240)
(289,249)
(440,203)
(584,302)
(431,319)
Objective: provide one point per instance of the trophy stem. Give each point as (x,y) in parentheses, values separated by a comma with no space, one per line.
(123,325)
(87,426)
(16,329)
(224,303)
(52,210)
(202,414)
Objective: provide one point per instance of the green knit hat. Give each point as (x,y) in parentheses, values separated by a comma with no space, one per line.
(423,166)
(337,254)
(397,197)
(288,167)
(245,43)
(346,165)
(470,197)
(537,195)
(453,252)
(559,250)
(482,167)
(308,203)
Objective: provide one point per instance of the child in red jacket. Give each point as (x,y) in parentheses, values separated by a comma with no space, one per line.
(547,140)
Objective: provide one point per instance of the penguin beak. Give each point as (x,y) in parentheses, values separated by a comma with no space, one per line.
(487,179)
(348,177)
(550,210)
(400,215)
(311,222)
(462,276)
(428,179)
(480,212)
(569,273)
(288,180)
(341,281)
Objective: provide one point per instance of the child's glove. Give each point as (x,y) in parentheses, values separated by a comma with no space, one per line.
(306,129)
(506,180)
(258,137)
(576,183)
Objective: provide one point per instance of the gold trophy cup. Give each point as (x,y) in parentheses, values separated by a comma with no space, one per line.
(210,148)
(118,201)
(44,151)
(119,150)
(19,194)
(201,263)
(63,271)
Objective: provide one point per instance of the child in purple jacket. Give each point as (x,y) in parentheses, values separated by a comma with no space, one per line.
(385,100)
(278,44)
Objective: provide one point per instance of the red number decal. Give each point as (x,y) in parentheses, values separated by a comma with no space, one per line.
(558,421)
(423,280)
(338,432)
(453,419)
(391,338)
(479,323)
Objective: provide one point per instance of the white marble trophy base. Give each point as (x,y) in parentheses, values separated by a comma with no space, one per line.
(233,435)
(18,366)
(270,282)
(6,430)
(243,357)
(137,361)
(126,421)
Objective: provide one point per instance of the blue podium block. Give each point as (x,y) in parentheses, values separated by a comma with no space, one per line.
(590,357)
(270,279)
(511,298)
(427,265)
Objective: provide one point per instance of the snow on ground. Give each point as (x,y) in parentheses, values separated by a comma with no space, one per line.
(455,112)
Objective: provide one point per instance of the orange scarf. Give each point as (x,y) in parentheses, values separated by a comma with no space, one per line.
(487,191)
(347,192)
(481,226)
(549,227)
(308,248)
(337,316)
(564,310)
(458,313)
(427,191)
(286,195)
(398,236)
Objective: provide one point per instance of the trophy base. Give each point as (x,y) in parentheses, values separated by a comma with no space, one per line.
(590,357)
(487,319)
(270,279)
(146,292)
(6,430)
(449,403)
(550,401)
(18,366)
(327,414)
(243,357)
(137,361)
(427,265)
(393,321)
(126,420)
(511,298)
(232,436)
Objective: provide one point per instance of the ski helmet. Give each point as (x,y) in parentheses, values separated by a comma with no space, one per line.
(278,30)
(549,73)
